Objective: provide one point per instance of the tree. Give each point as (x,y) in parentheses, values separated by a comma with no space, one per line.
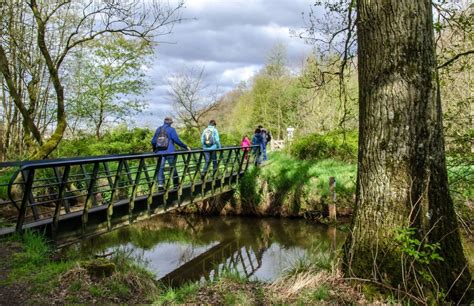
(111,80)
(192,97)
(402,189)
(55,28)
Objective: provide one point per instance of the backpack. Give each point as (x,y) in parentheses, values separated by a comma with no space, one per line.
(208,137)
(269,137)
(161,141)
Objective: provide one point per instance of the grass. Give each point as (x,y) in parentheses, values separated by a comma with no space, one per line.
(33,265)
(318,258)
(287,171)
(47,278)
(177,295)
(320,294)
(286,183)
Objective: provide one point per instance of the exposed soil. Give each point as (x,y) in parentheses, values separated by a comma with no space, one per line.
(16,293)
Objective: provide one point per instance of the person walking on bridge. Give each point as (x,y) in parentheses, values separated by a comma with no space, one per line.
(163,143)
(257,140)
(266,138)
(245,144)
(210,142)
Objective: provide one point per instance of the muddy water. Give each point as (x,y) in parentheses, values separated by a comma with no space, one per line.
(189,248)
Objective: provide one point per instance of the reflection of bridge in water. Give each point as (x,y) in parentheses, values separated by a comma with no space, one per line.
(72,198)
(227,256)
(181,248)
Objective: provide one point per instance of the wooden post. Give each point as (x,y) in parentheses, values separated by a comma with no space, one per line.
(332,203)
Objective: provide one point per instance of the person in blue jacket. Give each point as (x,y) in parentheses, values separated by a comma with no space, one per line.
(210,141)
(173,139)
(257,140)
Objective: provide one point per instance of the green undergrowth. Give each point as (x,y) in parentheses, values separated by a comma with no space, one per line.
(75,278)
(332,145)
(288,183)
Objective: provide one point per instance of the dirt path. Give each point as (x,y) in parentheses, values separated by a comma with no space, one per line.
(14,294)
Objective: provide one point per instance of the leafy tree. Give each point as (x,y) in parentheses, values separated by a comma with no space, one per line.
(111,79)
(42,34)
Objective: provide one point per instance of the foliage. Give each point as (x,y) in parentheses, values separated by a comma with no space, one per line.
(109,80)
(5,176)
(35,52)
(33,264)
(336,145)
(119,140)
(418,256)
(422,252)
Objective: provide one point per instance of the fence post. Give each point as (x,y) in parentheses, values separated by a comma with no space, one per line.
(332,203)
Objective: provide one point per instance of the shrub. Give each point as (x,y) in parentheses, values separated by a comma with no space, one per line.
(119,140)
(326,146)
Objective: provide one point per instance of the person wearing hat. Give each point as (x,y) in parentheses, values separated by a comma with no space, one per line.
(172,139)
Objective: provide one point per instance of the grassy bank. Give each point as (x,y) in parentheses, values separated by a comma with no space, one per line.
(289,187)
(33,273)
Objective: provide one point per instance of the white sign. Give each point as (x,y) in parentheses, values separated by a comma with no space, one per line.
(290,130)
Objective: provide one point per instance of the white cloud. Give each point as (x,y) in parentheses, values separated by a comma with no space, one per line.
(230,38)
(237,75)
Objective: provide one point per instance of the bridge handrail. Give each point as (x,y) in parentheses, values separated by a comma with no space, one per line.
(44,163)
(47,182)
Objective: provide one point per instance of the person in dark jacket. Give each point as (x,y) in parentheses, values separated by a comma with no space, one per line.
(257,139)
(266,139)
(173,139)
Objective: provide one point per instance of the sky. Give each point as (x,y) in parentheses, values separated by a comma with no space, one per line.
(231,39)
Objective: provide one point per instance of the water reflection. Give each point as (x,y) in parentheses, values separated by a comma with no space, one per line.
(190,248)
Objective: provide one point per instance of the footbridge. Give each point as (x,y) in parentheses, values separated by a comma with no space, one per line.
(69,199)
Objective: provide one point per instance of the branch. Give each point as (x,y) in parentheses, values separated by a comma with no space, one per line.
(453,59)
(16,96)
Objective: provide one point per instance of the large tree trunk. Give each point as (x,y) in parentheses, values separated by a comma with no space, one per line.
(402,177)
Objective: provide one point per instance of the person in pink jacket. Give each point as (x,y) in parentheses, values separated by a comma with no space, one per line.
(245,144)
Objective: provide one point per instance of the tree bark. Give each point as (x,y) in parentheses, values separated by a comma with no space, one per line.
(53,69)
(402,177)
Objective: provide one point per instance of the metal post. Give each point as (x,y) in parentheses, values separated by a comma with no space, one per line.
(60,202)
(131,205)
(90,197)
(110,205)
(24,202)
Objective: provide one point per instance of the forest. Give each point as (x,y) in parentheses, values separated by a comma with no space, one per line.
(383,103)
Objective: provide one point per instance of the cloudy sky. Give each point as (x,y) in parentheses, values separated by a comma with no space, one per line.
(230,39)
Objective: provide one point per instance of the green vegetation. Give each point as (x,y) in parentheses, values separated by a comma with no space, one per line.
(333,145)
(75,278)
(121,140)
(177,295)
(287,185)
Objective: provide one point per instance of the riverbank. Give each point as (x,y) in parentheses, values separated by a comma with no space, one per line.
(285,186)
(32,272)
